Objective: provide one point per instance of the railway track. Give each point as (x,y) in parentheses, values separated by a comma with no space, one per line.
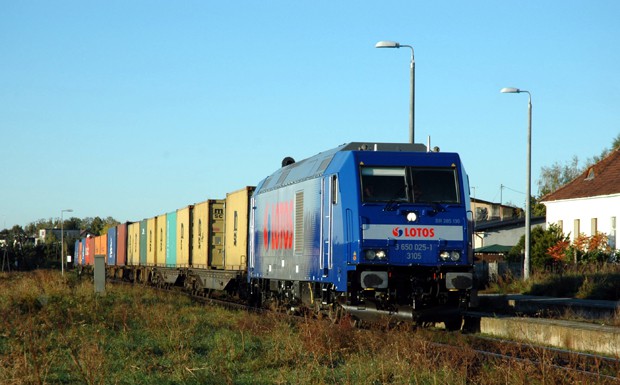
(575,366)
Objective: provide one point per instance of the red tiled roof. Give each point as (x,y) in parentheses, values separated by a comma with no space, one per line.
(603,178)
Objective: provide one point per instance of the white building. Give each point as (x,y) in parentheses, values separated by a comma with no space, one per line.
(590,203)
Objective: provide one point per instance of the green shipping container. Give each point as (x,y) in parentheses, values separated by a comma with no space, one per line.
(171,239)
(143,241)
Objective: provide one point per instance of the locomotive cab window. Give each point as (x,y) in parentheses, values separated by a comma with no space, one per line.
(409,184)
(384,184)
(434,185)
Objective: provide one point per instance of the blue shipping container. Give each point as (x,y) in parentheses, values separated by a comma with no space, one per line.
(111,248)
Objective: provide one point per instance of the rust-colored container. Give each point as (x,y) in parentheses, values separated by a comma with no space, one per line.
(184,227)
(236,230)
(208,234)
(89,253)
(121,244)
(101,244)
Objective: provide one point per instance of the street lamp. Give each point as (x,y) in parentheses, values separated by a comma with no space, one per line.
(393,44)
(528,211)
(62,240)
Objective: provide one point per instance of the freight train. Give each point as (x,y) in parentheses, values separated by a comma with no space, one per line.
(366,229)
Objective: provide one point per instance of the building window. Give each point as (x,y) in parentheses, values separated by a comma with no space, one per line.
(561,225)
(576,230)
(612,235)
(593,226)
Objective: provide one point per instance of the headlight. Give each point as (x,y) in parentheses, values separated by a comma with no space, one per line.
(453,256)
(371,255)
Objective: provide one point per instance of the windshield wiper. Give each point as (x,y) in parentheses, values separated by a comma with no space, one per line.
(393,203)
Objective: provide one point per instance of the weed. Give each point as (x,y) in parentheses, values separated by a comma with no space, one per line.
(56,330)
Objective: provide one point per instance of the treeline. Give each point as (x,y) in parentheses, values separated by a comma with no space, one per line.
(21,250)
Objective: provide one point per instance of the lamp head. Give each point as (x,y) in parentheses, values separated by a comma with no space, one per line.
(387,44)
(509,90)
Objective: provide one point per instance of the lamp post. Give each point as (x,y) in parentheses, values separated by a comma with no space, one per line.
(62,240)
(528,211)
(393,44)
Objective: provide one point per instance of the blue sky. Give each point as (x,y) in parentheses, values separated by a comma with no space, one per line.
(131,109)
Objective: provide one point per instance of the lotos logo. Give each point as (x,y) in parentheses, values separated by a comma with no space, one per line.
(414,232)
(278,226)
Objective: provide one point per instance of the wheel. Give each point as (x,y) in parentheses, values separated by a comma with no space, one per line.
(453,323)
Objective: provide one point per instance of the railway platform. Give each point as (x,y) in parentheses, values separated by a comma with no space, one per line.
(502,316)
(548,306)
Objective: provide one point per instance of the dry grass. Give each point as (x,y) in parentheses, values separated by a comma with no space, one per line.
(55,330)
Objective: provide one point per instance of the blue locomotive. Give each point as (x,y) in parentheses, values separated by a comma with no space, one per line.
(369,228)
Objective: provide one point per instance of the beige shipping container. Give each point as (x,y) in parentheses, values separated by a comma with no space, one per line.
(160,247)
(236,229)
(208,234)
(184,226)
(133,244)
(151,241)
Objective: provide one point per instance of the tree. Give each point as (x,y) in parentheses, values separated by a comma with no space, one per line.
(109,223)
(99,226)
(541,242)
(557,175)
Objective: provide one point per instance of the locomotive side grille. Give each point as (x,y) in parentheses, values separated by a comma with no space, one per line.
(299,222)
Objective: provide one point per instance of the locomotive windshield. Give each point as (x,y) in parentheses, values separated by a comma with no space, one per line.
(409,184)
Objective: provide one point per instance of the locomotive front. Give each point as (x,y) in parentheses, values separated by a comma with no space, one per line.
(374,229)
(415,243)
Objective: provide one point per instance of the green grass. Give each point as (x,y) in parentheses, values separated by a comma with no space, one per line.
(55,330)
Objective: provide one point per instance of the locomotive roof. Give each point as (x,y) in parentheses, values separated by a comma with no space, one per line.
(315,166)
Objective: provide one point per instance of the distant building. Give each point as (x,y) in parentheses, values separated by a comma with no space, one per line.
(44,233)
(496,236)
(497,228)
(590,203)
(489,211)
